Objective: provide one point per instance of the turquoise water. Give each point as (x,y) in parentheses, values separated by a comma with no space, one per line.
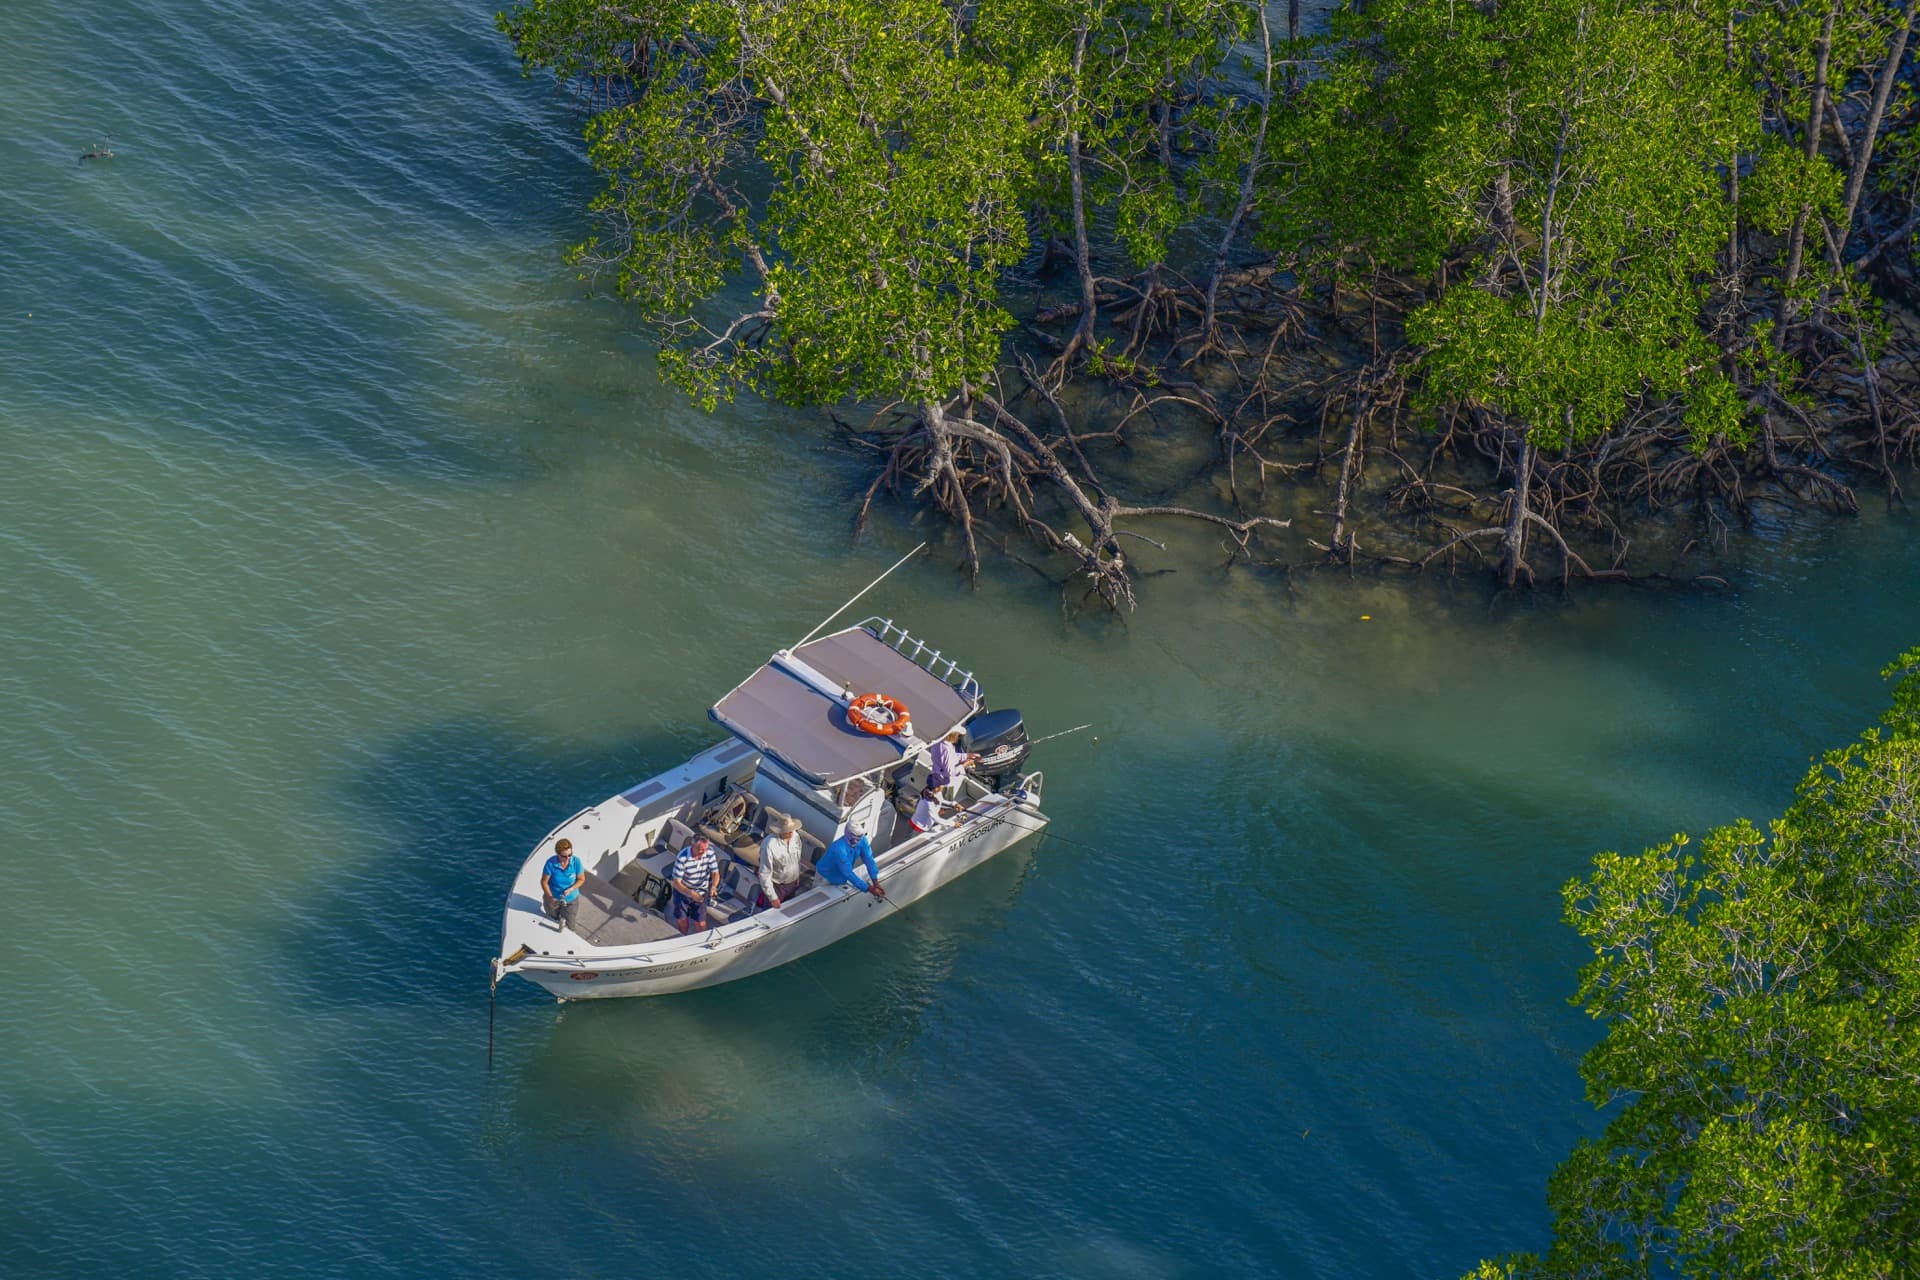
(345,547)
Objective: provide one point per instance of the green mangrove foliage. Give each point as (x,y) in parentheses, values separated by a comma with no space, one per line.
(1617,199)
(1612,255)
(820,201)
(1762,1004)
(841,192)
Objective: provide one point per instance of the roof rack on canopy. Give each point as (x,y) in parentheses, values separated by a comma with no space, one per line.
(794,708)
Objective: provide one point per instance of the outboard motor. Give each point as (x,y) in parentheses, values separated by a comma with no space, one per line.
(1000,738)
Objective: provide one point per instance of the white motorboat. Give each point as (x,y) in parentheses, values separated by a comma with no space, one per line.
(792,752)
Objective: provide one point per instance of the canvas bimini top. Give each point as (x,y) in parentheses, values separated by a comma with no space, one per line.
(795,707)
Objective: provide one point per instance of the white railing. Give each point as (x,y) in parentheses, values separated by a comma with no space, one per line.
(928,659)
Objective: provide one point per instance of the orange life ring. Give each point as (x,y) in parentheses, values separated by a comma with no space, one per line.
(879,714)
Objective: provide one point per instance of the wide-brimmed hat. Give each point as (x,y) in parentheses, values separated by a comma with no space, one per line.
(784,824)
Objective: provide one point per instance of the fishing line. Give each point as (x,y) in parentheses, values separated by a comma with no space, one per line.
(1007,819)
(1047,832)
(1034,742)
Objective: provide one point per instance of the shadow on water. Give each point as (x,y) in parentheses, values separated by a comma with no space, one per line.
(445,817)
(860,999)
(450,812)
(813,1063)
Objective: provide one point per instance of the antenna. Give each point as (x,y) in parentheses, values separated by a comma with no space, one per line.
(849,604)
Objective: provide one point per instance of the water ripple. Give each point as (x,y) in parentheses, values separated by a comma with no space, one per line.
(345,546)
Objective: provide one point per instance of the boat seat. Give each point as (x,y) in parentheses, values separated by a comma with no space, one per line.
(674,836)
(737,811)
(630,878)
(748,854)
(641,883)
(746,847)
(737,886)
(748,862)
(742,844)
(768,817)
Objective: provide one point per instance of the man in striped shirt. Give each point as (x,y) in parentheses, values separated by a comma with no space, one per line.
(696,878)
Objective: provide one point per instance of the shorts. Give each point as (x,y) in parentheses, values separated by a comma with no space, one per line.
(786,891)
(685,908)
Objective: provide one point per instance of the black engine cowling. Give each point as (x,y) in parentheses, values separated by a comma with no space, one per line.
(1000,739)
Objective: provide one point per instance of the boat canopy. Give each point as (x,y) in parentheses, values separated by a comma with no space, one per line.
(795,707)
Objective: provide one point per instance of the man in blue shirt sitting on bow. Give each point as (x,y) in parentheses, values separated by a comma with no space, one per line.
(836,864)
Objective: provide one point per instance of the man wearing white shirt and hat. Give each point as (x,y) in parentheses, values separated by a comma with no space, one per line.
(780,857)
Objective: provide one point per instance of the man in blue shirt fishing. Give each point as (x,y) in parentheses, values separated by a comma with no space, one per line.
(836,864)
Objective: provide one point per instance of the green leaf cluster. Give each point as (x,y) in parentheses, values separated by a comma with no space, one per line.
(821,199)
(1117,74)
(898,206)
(1762,1000)
(1570,154)
(590,39)
(807,199)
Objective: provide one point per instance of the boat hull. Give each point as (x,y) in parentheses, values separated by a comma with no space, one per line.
(818,918)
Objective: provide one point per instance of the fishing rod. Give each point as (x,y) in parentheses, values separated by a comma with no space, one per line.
(1034,742)
(856,596)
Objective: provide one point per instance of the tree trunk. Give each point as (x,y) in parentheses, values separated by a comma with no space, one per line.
(1514,544)
(1862,154)
(1083,253)
(943,477)
(1245,202)
(1163,108)
(1733,170)
(1504,225)
(1546,227)
(1293,42)
(1343,541)
(1797,239)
